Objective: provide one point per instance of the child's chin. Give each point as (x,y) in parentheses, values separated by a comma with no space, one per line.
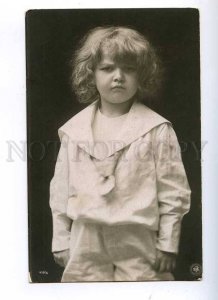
(120,101)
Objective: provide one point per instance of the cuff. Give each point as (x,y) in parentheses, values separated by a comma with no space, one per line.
(169,236)
(60,244)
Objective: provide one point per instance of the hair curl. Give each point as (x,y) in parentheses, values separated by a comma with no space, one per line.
(123,44)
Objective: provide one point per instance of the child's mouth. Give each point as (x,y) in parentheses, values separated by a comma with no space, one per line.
(118,87)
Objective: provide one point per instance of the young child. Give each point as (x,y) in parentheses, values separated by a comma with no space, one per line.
(119,191)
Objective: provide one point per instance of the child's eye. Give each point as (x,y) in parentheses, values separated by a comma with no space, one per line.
(107,68)
(129,68)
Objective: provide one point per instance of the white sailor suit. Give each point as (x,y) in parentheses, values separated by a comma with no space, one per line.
(113,213)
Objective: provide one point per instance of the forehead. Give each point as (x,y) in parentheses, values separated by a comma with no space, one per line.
(111,58)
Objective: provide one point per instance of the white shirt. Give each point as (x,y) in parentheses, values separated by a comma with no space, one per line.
(149,185)
(105,132)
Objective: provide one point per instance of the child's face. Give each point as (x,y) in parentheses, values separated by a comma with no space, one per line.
(117,82)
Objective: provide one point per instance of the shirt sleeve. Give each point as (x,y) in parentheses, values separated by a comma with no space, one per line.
(59,198)
(173,190)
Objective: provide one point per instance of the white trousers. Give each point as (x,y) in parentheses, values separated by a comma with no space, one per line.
(112,253)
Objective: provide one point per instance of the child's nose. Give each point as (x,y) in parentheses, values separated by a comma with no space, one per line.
(118,74)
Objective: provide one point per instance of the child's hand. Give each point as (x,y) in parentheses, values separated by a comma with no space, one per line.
(61,257)
(165,261)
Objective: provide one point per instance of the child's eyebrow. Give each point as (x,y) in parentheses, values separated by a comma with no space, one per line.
(106,63)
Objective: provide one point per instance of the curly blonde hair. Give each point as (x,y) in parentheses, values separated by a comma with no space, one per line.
(123,44)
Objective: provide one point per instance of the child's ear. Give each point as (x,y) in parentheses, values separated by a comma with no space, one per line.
(139,87)
(139,90)
(93,78)
(92,82)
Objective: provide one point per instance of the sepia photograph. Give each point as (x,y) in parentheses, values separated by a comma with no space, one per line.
(114,145)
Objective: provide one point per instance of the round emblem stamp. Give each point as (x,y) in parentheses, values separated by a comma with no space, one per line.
(196,270)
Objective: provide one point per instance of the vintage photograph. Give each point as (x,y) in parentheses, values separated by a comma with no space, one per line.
(114,145)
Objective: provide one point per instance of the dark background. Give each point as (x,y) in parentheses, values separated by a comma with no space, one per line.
(51,37)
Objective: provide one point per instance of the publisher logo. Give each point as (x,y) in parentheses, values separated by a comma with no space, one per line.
(196,270)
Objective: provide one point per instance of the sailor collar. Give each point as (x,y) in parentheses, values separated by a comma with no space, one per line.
(139,121)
